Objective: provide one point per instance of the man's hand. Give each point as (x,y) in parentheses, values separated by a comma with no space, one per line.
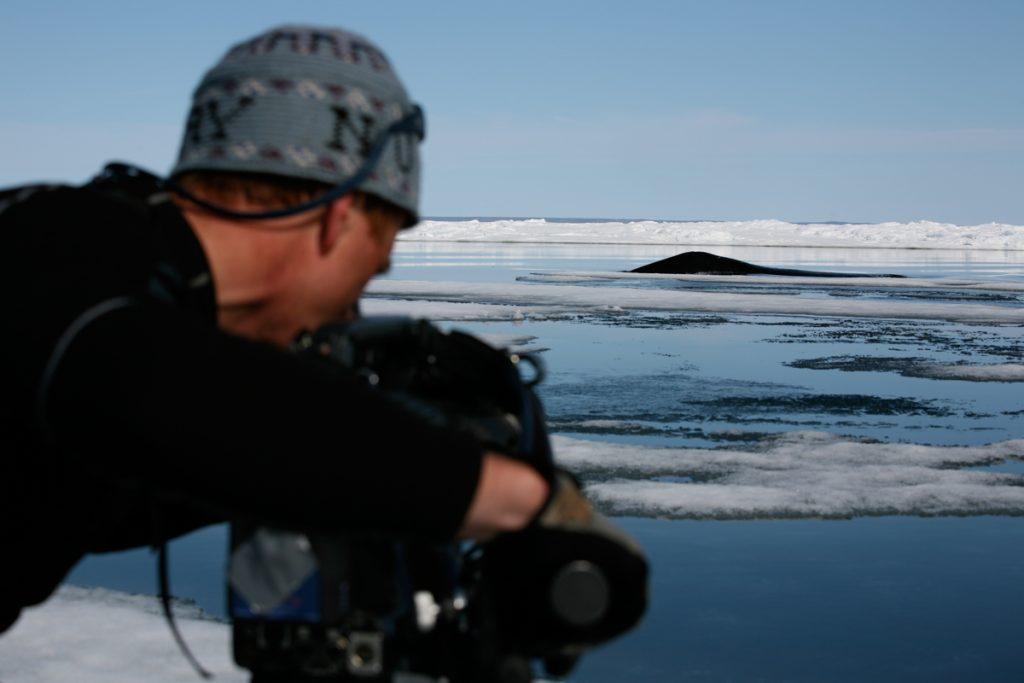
(568,581)
(510,494)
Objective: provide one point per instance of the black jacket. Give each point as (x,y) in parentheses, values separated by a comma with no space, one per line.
(152,407)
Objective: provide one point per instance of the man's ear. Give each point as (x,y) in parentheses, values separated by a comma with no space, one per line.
(335,222)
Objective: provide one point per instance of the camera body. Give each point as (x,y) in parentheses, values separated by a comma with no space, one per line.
(342,607)
(309,606)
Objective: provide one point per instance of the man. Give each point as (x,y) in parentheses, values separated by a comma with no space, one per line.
(142,331)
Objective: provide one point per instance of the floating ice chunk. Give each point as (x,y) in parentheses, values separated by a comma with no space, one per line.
(892,235)
(948,495)
(996,372)
(507,341)
(799,474)
(513,343)
(917,367)
(449,310)
(595,299)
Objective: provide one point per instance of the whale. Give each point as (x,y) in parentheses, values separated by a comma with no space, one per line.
(703,263)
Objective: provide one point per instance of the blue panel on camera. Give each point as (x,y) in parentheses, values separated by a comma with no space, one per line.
(302,605)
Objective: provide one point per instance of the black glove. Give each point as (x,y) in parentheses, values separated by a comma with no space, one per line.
(568,581)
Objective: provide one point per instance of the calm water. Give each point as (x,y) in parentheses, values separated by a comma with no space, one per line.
(885,598)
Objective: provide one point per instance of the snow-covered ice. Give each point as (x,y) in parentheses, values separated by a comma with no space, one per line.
(93,635)
(798,474)
(761,233)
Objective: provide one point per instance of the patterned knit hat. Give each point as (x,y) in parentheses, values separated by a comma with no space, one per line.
(304,102)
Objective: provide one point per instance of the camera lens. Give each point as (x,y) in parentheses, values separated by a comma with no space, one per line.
(580,593)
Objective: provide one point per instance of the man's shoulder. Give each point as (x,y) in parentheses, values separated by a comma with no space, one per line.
(77,204)
(68,227)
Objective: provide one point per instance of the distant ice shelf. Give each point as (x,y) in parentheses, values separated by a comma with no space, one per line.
(761,233)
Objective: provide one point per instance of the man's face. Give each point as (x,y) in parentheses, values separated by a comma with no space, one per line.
(363,249)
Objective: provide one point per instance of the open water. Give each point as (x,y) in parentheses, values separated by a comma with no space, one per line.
(810,564)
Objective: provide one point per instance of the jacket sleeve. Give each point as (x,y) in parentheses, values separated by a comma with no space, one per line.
(162,401)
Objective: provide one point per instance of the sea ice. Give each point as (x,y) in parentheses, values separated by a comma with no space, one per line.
(917,367)
(560,299)
(940,284)
(798,474)
(995,372)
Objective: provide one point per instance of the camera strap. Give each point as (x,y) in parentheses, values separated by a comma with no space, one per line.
(164,588)
(60,349)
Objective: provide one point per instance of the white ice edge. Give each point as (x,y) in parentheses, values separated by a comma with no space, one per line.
(800,474)
(747,280)
(761,233)
(548,299)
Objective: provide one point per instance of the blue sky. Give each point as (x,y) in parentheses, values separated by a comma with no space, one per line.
(811,110)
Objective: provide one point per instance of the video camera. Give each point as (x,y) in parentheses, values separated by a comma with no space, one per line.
(366,607)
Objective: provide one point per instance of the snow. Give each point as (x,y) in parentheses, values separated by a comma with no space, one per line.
(798,474)
(93,635)
(891,235)
(557,299)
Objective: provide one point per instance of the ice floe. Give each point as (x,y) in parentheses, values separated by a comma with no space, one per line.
(558,299)
(993,372)
(917,367)
(798,474)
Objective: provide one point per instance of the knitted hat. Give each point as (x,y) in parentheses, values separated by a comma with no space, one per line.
(304,102)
